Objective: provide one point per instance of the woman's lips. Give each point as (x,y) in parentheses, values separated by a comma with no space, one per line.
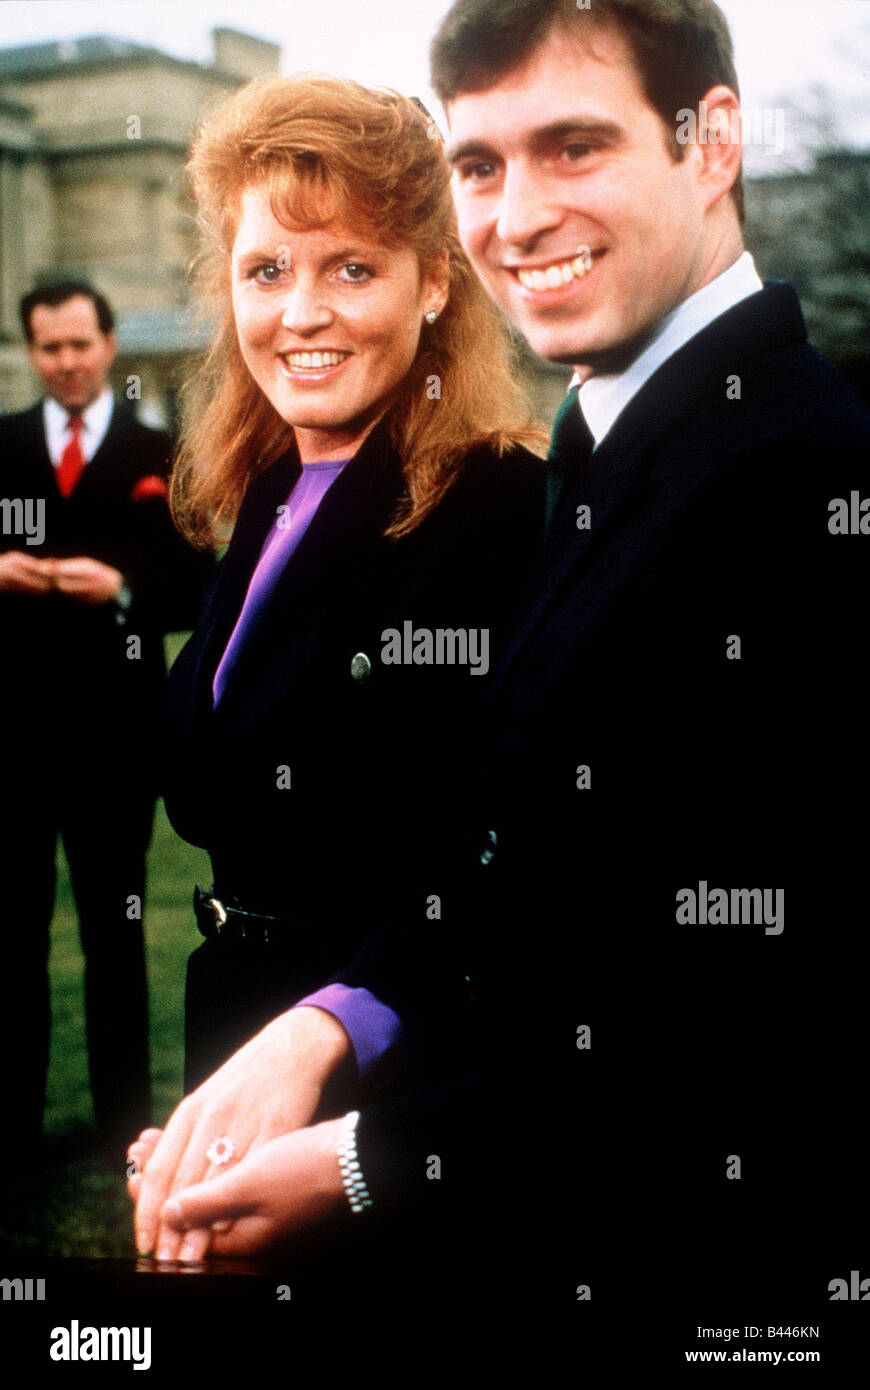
(313,366)
(324,357)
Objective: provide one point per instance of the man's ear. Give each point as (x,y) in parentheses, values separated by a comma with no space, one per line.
(720,141)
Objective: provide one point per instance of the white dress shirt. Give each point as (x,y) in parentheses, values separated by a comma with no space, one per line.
(603,398)
(95,421)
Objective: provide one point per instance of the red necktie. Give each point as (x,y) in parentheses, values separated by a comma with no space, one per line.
(72,460)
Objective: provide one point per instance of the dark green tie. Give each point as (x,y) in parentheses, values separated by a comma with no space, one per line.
(571,443)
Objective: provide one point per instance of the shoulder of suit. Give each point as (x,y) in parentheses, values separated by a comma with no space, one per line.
(515,469)
(497,495)
(156,443)
(792,393)
(749,379)
(19,419)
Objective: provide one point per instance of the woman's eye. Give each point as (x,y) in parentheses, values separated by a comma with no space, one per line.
(267,274)
(355,272)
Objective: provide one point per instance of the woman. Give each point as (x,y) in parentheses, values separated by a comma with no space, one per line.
(358,421)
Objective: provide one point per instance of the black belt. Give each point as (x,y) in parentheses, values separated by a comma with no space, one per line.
(227,920)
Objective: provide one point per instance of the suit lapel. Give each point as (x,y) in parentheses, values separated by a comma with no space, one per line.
(113,463)
(330,567)
(218,619)
(355,509)
(41,473)
(612,482)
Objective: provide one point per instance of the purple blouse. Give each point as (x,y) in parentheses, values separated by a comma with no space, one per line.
(374,1029)
(288,528)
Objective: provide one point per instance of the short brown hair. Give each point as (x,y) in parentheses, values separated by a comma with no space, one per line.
(323,147)
(682,48)
(58,292)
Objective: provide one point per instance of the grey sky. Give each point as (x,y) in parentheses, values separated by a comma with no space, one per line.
(784,47)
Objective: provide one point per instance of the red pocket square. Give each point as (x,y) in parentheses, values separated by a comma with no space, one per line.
(151,486)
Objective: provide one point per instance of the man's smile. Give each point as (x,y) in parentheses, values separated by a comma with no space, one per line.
(553,274)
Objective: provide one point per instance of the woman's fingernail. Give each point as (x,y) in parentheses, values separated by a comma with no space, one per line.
(172,1213)
(220,1228)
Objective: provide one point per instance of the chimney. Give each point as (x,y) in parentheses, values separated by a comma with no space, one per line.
(243,55)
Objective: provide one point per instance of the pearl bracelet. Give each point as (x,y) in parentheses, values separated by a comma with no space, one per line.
(351,1174)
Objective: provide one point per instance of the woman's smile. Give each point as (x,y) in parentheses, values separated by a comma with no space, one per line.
(312,368)
(328,321)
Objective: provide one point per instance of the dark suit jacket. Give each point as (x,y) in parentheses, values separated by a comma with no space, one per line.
(73,656)
(373,764)
(709,522)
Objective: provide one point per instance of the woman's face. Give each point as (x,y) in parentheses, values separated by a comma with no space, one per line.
(328,322)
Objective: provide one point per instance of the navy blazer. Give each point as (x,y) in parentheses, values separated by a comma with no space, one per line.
(681,703)
(373,752)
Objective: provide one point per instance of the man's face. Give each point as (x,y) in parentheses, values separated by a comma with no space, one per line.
(582,226)
(69,352)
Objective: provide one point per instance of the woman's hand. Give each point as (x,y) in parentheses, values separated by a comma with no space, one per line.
(270,1087)
(281,1188)
(138,1155)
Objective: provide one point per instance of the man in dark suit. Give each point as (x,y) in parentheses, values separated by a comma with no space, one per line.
(92,573)
(645,1013)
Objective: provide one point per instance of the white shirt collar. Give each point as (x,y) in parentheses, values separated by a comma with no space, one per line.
(95,421)
(603,398)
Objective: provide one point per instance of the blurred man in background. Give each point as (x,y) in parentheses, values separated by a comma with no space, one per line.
(92,574)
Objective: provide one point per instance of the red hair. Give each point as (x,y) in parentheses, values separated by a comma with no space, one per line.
(324,147)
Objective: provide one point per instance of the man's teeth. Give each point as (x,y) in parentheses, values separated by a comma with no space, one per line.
(298,360)
(555,275)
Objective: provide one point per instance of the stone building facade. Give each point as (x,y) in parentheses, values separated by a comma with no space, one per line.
(94,135)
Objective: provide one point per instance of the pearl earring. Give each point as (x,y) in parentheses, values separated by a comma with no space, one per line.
(431,315)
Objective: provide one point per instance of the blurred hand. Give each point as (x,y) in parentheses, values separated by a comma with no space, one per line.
(21,573)
(279,1189)
(86,580)
(269,1088)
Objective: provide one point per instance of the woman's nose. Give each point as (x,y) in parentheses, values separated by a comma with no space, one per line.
(305,310)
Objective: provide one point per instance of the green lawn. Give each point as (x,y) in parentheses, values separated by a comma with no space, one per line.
(75,1206)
